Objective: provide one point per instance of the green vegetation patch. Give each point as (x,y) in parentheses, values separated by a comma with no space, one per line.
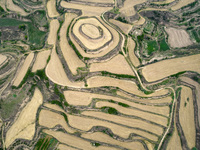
(109,110)
(163,45)
(195,35)
(150,46)
(149,27)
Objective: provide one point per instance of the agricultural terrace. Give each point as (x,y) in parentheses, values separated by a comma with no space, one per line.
(99,74)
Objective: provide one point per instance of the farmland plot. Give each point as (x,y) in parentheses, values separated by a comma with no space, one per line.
(181,3)
(54,25)
(3,58)
(123,26)
(51,9)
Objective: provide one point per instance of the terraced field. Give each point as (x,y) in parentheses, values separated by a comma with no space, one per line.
(99,74)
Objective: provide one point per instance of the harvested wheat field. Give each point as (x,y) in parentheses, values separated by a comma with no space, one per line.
(41,60)
(69,140)
(86,9)
(181,3)
(101,137)
(65,147)
(123,26)
(186,113)
(178,37)
(85,124)
(84,99)
(117,65)
(197,92)
(92,42)
(54,26)
(23,70)
(127,111)
(130,122)
(51,9)
(150,100)
(54,107)
(131,52)
(70,56)
(128,8)
(165,68)
(24,126)
(3,58)
(50,119)
(163,2)
(56,73)
(15,8)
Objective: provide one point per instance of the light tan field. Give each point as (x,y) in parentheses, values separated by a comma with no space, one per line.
(83,98)
(23,70)
(117,65)
(65,147)
(74,141)
(53,106)
(128,8)
(3,58)
(24,126)
(164,2)
(123,26)
(91,44)
(197,92)
(11,6)
(51,9)
(101,137)
(186,116)
(56,73)
(54,26)
(91,30)
(51,119)
(86,10)
(181,3)
(139,22)
(174,142)
(131,52)
(126,121)
(102,51)
(166,100)
(41,60)
(178,37)
(97,1)
(165,68)
(151,117)
(70,56)
(86,124)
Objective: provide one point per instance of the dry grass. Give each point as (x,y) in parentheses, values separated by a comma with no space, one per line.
(41,60)
(54,26)
(70,56)
(23,70)
(53,106)
(83,98)
(186,116)
(74,141)
(131,52)
(104,50)
(91,30)
(144,115)
(65,147)
(11,6)
(117,65)
(181,3)
(164,2)
(86,124)
(24,126)
(128,8)
(178,37)
(101,137)
(86,10)
(91,43)
(3,58)
(165,68)
(56,73)
(50,119)
(137,123)
(51,9)
(123,26)
(197,91)
(166,100)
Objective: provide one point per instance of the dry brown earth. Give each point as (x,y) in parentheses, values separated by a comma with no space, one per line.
(123,26)
(54,26)
(51,9)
